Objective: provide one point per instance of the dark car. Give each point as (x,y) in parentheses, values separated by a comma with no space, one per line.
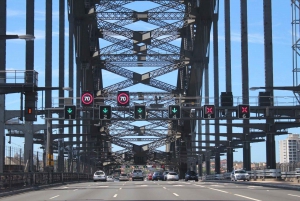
(157,176)
(165,175)
(191,175)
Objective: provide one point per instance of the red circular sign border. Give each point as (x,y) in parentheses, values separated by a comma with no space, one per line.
(83,95)
(123,93)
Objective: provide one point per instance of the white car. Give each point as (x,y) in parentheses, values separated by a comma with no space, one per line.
(99,176)
(110,178)
(123,177)
(172,176)
(239,175)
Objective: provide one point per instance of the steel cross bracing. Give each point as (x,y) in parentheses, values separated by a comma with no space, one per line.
(135,50)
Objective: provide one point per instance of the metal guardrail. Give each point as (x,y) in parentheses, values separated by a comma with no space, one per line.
(260,174)
(10,181)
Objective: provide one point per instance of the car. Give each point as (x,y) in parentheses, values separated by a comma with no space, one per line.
(157,176)
(110,178)
(149,177)
(165,175)
(99,175)
(239,174)
(124,177)
(137,174)
(191,175)
(172,176)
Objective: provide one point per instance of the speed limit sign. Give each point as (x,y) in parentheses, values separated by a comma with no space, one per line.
(87,98)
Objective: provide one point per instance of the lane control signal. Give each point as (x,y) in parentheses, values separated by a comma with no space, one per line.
(208,111)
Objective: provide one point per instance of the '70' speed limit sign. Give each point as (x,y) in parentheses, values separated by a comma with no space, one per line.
(87,98)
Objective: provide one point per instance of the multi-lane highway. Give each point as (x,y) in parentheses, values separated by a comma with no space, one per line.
(157,190)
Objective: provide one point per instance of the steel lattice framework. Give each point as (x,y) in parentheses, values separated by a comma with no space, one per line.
(179,26)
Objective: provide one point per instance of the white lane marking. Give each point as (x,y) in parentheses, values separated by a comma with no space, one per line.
(75,189)
(102,186)
(175,194)
(294,195)
(66,187)
(164,188)
(246,197)
(115,195)
(217,185)
(53,197)
(120,188)
(200,186)
(143,185)
(218,190)
(177,185)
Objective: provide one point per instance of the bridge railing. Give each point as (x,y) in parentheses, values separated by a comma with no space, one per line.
(261,174)
(9,181)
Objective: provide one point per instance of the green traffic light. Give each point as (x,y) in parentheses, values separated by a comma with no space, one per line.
(69,110)
(105,110)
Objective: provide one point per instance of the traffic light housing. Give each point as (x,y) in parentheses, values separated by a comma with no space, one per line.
(209,111)
(70,112)
(139,112)
(30,106)
(243,111)
(105,112)
(174,112)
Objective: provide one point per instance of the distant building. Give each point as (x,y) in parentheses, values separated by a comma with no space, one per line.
(289,149)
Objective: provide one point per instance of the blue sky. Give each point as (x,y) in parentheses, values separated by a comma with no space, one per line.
(282,54)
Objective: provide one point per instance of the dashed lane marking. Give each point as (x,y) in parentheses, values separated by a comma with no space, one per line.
(294,195)
(115,195)
(120,188)
(246,197)
(218,190)
(53,197)
(175,194)
(200,186)
(177,185)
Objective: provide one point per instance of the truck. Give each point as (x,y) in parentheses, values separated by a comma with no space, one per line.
(137,174)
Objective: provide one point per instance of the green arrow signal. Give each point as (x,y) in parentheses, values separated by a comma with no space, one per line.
(69,110)
(105,110)
(140,110)
(174,110)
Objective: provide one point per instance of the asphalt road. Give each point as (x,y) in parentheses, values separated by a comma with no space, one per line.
(157,190)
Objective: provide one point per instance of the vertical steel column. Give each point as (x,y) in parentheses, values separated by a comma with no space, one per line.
(71,81)
(245,82)
(48,79)
(28,146)
(216,91)
(2,80)
(61,59)
(207,130)
(49,147)
(78,103)
(268,45)
(228,79)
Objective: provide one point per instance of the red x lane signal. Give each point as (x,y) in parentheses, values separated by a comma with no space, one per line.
(208,111)
(243,111)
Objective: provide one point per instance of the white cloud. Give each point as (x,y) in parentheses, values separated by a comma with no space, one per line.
(14,13)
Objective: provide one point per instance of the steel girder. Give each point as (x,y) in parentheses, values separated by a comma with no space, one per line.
(134,15)
(124,15)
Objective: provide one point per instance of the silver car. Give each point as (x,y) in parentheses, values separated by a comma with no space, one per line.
(123,177)
(99,176)
(239,175)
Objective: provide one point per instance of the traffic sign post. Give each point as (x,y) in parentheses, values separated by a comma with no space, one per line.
(208,111)
(105,112)
(70,112)
(139,112)
(243,111)
(123,98)
(174,111)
